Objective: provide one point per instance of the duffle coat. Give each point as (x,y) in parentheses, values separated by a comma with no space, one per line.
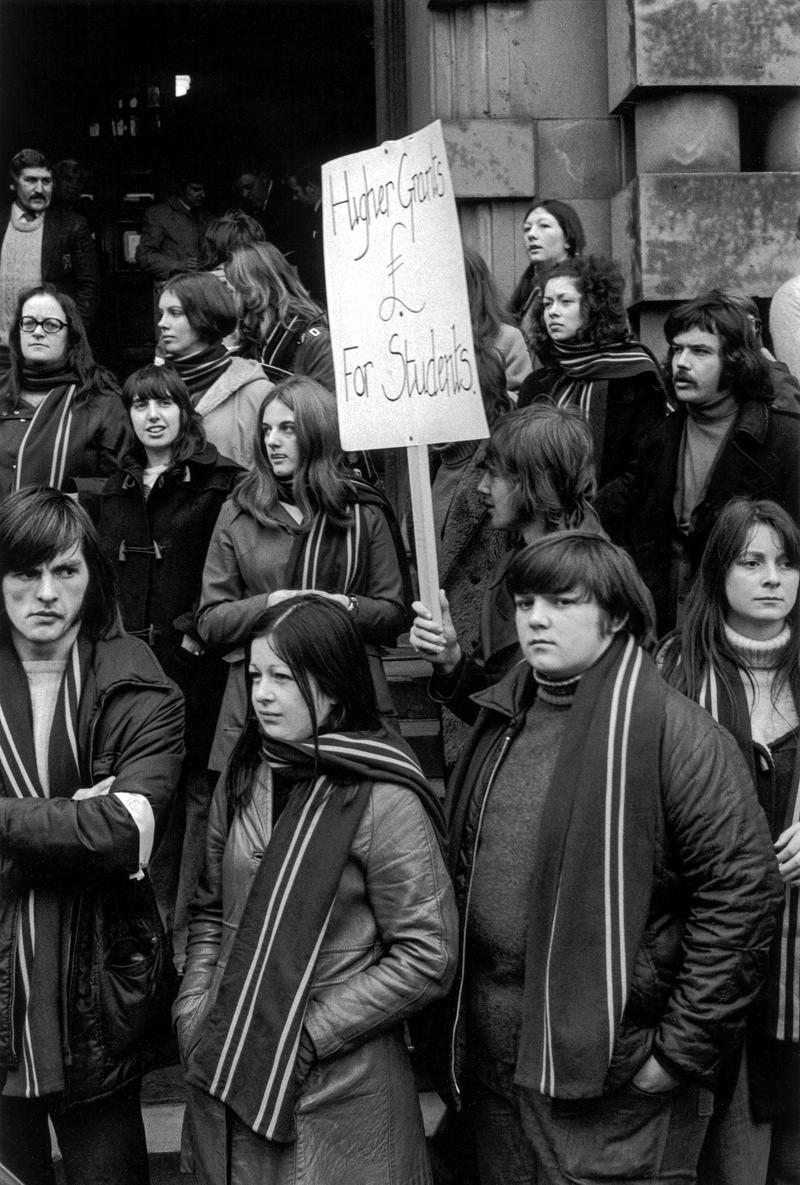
(389,950)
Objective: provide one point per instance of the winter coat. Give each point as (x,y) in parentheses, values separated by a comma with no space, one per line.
(130,725)
(170,236)
(229,410)
(389,950)
(716,889)
(634,406)
(100,435)
(510,344)
(246,562)
(69,257)
(760,459)
(157,546)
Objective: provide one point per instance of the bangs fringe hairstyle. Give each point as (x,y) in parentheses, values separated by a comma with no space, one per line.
(207,304)
(547,455)
(320,644)
(587,561)
(745,370)
(92,379)
(601,286)
(37,524)
(702,639)
(321,480)
(162,382)
(267,291)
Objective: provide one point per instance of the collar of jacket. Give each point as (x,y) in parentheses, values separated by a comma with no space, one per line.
(512,694)
(752,418)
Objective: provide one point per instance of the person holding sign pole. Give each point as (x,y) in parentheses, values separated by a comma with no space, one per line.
(538,477)
(581,334)
(300,521)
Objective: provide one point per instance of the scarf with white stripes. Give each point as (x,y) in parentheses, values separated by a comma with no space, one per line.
(593,880)
(779,1003)
(37,971)
(246,1056)
(44,451)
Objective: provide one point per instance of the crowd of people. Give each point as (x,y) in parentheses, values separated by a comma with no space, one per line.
(215,844)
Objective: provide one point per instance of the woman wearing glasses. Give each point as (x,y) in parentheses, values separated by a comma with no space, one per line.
(61,416)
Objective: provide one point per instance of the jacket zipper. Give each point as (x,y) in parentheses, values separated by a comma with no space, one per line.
(459,998)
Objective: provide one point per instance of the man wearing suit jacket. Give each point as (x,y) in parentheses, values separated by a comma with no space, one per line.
(172,237)
(40,243)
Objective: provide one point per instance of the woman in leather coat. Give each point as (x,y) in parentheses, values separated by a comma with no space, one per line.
(324,920)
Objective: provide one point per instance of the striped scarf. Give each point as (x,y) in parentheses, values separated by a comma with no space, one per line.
(593,879)
(278,351)
(246,1056)
(37,971)
(44,451)
(779,1005)
(201,370)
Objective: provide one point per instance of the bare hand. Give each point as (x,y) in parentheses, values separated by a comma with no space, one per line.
(787,849)
(94,791)
(438,643)
(652,1078)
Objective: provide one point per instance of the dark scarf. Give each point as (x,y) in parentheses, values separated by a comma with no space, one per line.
(44,451)
(201,370)
(593,879)
(779,1008)
(246,1056)
(586,371)
(37,972)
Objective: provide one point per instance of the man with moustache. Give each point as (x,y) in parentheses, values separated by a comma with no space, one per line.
(41,242)
(731,435)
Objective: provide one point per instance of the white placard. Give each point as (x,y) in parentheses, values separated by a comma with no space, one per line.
(397,298)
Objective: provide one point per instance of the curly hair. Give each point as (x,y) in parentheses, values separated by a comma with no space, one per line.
(601,286)
(745,370)
(320,481)
(162,382)
(267,291)
(92,379)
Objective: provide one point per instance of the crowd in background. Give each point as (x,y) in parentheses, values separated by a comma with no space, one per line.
(597,932)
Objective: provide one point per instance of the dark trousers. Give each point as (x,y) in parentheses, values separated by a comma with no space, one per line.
(629,1136)
(101,1143)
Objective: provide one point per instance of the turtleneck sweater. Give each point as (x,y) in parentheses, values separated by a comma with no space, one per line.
(501,884)
(772,712)
(707,428)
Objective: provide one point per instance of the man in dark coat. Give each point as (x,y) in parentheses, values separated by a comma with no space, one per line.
(732,435)
(41,242)
(172,237)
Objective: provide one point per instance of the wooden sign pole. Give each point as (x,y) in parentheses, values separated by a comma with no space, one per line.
(424,530)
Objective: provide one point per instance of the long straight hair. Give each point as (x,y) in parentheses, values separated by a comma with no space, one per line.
(703,641)
(320,481)
(320,644)
(267,291)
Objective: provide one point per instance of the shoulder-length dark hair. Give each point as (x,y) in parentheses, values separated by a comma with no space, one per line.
(745,369)
(320,481)
(588,561)
(601,286)
(92,379)
(486,308)
(37,524)
(267,291)
(223,235)
(207,304)
(320,644)
(575,239)
(547,455)
(701,642)
(162,382)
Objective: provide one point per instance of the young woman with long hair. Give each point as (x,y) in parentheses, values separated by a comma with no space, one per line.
(492,324)
(552,232)
(590,360)
(324,920)
(61,416)
(737,653)
(301,521)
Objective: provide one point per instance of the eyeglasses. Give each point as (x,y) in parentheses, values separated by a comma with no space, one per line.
(48,324)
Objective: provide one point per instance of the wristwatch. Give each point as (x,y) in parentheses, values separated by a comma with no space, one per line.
(352,604)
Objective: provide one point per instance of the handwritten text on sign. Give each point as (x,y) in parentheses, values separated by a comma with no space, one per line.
(397,301)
